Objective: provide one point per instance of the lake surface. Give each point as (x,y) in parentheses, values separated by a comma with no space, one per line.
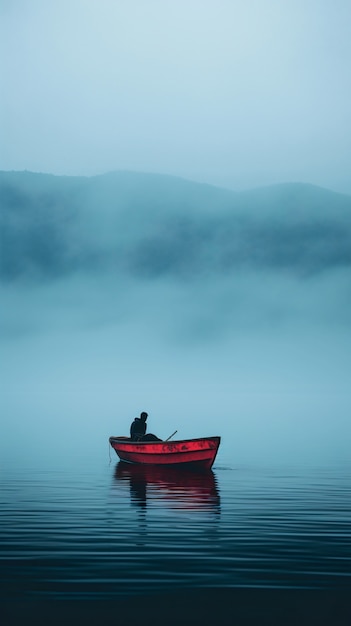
(105,530)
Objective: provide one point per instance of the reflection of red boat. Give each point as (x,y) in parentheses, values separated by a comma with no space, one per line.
(188,453)
(186,490)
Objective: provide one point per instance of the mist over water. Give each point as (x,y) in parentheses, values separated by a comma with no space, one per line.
(257,353)
(217,313)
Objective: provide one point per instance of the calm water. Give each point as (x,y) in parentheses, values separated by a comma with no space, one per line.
(109,529)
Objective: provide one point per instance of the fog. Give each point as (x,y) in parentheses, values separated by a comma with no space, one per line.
(218,314)
(79,365)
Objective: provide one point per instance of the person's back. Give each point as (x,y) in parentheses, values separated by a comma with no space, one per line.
(138,428)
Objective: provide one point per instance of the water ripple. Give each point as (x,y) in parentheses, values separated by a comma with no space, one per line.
(124,528)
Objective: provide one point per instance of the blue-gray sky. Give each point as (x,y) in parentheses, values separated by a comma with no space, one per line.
(236,93)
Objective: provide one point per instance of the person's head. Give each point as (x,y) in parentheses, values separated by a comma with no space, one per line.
(143,416)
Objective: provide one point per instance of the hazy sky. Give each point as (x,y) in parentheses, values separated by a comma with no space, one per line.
(238,93)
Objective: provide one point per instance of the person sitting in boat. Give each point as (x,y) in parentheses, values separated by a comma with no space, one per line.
(138,429)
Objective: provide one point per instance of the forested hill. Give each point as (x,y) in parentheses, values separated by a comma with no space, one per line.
(150,225)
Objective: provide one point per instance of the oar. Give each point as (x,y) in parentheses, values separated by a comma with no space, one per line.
(171,435)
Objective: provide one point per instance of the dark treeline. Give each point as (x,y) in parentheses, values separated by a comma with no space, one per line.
(150,225)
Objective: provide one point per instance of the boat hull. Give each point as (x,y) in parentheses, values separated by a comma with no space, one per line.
(188,453)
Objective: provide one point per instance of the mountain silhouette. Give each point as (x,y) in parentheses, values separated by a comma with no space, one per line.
(150,225)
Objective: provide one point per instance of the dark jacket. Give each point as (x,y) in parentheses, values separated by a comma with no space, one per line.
(137,429)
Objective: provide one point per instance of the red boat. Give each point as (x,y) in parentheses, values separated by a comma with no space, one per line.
(187,453)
